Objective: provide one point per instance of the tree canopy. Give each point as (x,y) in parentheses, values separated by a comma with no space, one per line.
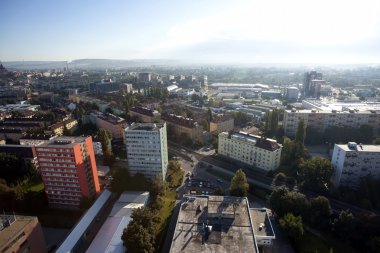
(239,185)
(316,173)
(292,225)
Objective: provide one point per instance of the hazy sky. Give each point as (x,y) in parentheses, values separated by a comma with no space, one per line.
(295,31)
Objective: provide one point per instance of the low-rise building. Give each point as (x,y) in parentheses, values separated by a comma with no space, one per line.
(108,238)
(253,150)
(220,224)
(145,115)
(147,149)
(180,125)
(59,128)
(112,123)
(321,120)
(354,161)
(21,234)
(222,124)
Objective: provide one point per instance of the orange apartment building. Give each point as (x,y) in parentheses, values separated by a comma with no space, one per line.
(112,123)
(68,170)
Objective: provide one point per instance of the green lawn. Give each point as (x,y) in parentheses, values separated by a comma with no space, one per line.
(36,187)
(311,243)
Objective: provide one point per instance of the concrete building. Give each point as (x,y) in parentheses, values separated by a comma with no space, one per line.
(250,149)
(292,93)
(354,161)
(59,128)
(220,224)
(145,115)
(308,88)
(77,240)
(20,234)
(104,86)
(111,123)
(180,125)
(320,120)
(145,77)
(35,139)
(68,170)
(221,124)
(147,149)
(108,238)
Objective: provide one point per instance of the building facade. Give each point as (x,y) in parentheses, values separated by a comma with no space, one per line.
(222,124)
(20,234)
(147,149)
(68,170)
(220,224)
(111,123)
(250,149)
(180,125)
(321,120)
(353,161)
(145,115)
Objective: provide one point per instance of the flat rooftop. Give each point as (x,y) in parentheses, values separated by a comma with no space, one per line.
(18,223)
(145,127)
(360,148)
(261,222)
(214,224)
(64,141)
(108,238)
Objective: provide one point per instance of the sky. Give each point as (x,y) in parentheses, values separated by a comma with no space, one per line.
(220,31)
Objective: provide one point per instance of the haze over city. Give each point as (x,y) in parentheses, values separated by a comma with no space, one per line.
(292,31)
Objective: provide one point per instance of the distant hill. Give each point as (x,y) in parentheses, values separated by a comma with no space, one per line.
(86,64)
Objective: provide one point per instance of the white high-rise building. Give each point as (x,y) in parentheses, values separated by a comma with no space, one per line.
(147,149)
(353,161)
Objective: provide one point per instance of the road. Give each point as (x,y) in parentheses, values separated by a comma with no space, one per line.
(254,177)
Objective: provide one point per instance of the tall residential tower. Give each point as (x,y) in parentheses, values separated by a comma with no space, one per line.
(68,170)
(147,149)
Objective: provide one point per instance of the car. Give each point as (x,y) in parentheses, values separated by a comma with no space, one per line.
(219,180)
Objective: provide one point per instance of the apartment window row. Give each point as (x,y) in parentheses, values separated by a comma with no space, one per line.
(58,165)
(57,170)
(61,184)
(62,197)
(55,149)
(56,160)
(55,155)
(58,174)
(64,191)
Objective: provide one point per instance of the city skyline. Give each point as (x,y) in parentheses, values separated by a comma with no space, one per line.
(206,31)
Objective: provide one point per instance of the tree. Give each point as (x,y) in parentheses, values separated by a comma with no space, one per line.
(239,185)
(137,239)
(139,236)
(284,201)
(218,192)
(344,224)
(279,179)
(320,211)
(301,132)
(292,225)
(316,173)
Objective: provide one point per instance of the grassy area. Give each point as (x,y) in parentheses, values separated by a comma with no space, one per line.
(219,174)
(35,187)
(311,243)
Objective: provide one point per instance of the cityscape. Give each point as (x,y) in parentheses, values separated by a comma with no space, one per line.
(189,126)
